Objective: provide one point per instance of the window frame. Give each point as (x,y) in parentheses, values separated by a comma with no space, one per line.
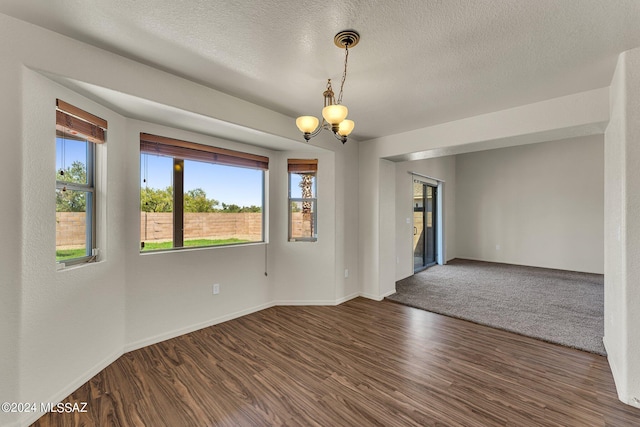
(180,151)
(73,123)
(300,167)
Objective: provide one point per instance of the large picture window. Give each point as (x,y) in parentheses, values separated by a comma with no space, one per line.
(195,195)
(77,132)
(302,200)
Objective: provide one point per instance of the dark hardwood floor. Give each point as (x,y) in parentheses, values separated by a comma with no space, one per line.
(362,363)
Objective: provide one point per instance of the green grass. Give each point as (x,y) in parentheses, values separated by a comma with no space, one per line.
(65,254)
(151,246)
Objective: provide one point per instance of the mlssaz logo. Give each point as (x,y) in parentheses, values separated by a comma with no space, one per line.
(64,407)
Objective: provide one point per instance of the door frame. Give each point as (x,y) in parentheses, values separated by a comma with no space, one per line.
(439,216)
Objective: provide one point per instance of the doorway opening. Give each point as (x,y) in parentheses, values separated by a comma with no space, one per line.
(425,204)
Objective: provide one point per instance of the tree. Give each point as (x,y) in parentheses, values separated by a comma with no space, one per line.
(251,208)
(156,200)
(72,200)
(232,208)
(196,201)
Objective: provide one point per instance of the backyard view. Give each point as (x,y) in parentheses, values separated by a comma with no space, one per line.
(222,205)
(74,197)
(207,222)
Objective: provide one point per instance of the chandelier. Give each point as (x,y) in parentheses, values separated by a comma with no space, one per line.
(334,114)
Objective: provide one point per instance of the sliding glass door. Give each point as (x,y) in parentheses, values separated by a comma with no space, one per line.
(424,225)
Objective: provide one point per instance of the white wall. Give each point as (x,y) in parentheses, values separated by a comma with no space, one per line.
(347,217)
(376,230)
(170,293)
(622,229)
(581,114)
(80,305)
(443,168)
(368,233)
(386,231)
(308,264)
(539,204)
(59,328)
(11,230)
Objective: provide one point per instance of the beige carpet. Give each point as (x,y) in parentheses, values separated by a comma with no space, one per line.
(558,306)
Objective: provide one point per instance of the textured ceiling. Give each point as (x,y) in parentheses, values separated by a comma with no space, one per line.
(419,62)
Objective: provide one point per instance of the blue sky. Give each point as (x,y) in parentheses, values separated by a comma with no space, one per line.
(69,151)
(226,184)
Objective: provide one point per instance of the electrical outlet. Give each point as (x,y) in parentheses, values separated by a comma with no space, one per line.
(346,273)
(216,288)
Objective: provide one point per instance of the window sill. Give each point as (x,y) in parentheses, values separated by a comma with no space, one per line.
(61,266)
(198,248)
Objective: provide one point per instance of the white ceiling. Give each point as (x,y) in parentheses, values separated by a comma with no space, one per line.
(419,62)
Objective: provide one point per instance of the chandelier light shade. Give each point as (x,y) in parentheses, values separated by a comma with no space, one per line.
(334,114)
(345,127)
(307,124)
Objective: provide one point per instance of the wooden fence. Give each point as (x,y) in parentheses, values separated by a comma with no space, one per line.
(158,227)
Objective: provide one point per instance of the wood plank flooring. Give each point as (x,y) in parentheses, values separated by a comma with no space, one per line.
(363,363)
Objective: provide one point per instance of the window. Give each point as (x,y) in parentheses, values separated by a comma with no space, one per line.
(302,200)
(194,195)
(77,132)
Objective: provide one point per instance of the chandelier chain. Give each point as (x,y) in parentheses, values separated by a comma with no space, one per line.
(344,74)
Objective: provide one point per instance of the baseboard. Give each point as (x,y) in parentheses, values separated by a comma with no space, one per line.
(623,397)
(316,302)
(614,369)
(371,296)
(73,386)
(612,366)
(347,298)
(383,296)
(377,297)
(177,332)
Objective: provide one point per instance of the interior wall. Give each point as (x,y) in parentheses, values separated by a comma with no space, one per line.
(369,197)
(308,275)
(62,327)
(347,214)
(539,204)
(615,307)
(170,293)
(11,172)
(622,225)
(443,168)
(80,307)
(387,208)
(585,113)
